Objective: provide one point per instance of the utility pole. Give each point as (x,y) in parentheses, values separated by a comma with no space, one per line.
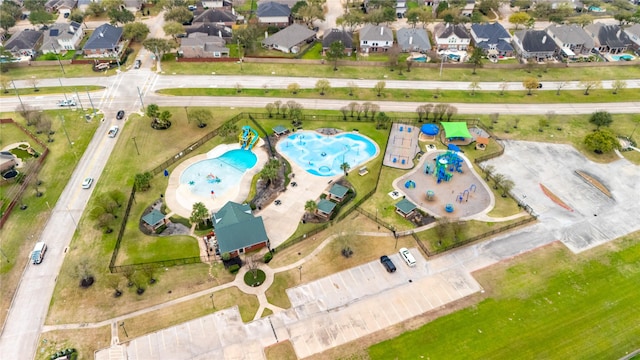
(187,112)
(79,102)
(140,96)
(124,329)
(59,61)
(135,144)
(300,270)
(212,304)
(64,128)
(64,92)
(91,102)
(18,95)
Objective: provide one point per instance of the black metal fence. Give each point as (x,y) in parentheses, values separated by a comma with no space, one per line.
(159,264)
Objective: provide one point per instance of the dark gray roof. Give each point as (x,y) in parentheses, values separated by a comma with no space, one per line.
(346,37)
(447,30)
(209,29)
(612,36)
(570,34)
(535,41)
(104,36)
(215,16)
(273,9)
(486,35)
(237,228)
(376,33)
(58,31)
(24,40)
(290,36)
(412,38)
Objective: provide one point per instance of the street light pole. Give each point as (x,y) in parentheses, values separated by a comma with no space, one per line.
(91,102)
(187,112)
(300,269)
(18,95)
(64,128)
(59,61)
(140,96)
(124,329)
(212,304)
(135,144)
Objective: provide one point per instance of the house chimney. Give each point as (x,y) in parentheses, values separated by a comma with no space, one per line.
(233,11)
(410,40)
(219,33)
(544,39)
(381,31)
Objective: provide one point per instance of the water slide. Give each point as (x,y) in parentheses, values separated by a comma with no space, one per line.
(248,137)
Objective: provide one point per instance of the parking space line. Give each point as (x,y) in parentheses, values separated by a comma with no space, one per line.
(376,320)
(426,297)
(150,347)
(446,291)
(406,307)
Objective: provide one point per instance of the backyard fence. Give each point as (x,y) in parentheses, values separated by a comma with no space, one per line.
(30,177)
(159,264)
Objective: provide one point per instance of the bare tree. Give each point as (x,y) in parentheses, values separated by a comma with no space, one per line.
(270,107)
(238,87)
(451,110)
(488,171)
(559,86)
(252,265)
(359,110)
(344,110)
(442,229)
(114,283)
(494,117)
(352,107)
(353,87)
(128,273)
(379,87)
(375,108)
(588,85)
(366,107)
(617,85)
(473,86)
(34,82)
(439,110)
(149,273)
(420,110)
(427,109)
(277,105)
(503,87)
(497,180)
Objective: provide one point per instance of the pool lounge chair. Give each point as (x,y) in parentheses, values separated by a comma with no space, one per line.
(403,161)
(401,128)
(408,129)
(395,160)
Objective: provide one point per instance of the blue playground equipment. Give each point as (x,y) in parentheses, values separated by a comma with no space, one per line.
(430,195)
(448,208)
(446,164)
(248,137)
(410,184)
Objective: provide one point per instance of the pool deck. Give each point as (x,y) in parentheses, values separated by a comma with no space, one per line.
(180,199)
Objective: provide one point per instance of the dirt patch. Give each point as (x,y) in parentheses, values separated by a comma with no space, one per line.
(594,182)
(555,198)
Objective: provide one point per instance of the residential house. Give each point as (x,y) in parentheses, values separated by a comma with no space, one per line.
(413,39)
(216,16)
(333,35)
(24,43)
(8,161)
(103,41)
(60,6)
(62,36)
(3,35)
(213,4)
(492,38)
(272,13)
(325,208)
(571,39)
(203,46)
(608,38)
(337,192)
(289,3)
(401,8)
(154,220)
(451,36)
(405,208)
(375,38)
(633,32)
(290,39)
(237,230)
(218,30)
(534,44)
(133,5)
(468,8)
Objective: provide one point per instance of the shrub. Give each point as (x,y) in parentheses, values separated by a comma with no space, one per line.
(267,257)
(234,268)
(161,228)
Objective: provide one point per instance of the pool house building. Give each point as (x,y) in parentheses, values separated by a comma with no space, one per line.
(325,208)
(237,230)
(405,208)
(337,192)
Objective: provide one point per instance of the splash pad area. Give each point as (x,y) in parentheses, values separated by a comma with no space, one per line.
(223,174)
(445,185)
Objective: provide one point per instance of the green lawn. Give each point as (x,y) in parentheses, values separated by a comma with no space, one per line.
(314,53)
(445,96)
(159,248)
(548,304)
(70,91)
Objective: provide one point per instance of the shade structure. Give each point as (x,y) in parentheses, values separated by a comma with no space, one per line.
(430,129)
(453,147)
(456,129)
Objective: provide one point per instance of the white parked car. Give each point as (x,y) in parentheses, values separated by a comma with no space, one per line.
(407,257)
(87,183)
(69,102)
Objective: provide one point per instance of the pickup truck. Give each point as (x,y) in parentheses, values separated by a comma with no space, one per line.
(387,263)
(113,131)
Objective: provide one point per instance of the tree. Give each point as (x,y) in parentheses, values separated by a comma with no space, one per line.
(5,82)
(122,16)
(583,20)
(590,84)
(498,179)
(322,86)
(201,116)
(451,110)
(228,130)
(353,87)
(335,53)
(180,14)
(103,219)
(617,85)
(442,229)
(439,110)
(413,16)
(601,141)
(476,58)
(559,86)
(392,57)
(77,15)
(311,13)
(310,206)
(530,83)
(503,87)
(295,112)
(247,37)
(270,171)
(270,107)
(199,214)
(277,104)
(601,118)
(473,86)
(158,47)
(44,126)
(41,17)
(94,9)
(378,87)
(173,28)
(112,4)
(352,107)
(507,185)
(142,181)
(293,88)
(153,111)
(382,121)
(7,20)
(135,31)
(345,167)
(488,171)
(519,18)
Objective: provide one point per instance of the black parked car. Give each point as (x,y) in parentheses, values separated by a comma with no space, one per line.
(120,115)
(388,264)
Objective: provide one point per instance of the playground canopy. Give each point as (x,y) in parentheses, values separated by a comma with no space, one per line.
(430,129)
(457,129)
(453,147)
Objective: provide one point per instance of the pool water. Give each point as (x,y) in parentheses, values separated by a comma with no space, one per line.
(624,57)
(218,174)
(322,155)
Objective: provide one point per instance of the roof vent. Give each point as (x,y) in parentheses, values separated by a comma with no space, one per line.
(544,39)
(381,31)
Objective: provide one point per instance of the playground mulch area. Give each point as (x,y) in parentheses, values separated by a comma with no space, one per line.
(402,147)
(465,190)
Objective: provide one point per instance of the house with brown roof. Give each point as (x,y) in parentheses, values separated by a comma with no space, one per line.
(203,46)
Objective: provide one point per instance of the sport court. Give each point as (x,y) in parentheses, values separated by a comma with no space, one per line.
(402,147)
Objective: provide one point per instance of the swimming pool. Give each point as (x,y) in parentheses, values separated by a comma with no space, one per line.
(625,57)
(217,175)
(322,155)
